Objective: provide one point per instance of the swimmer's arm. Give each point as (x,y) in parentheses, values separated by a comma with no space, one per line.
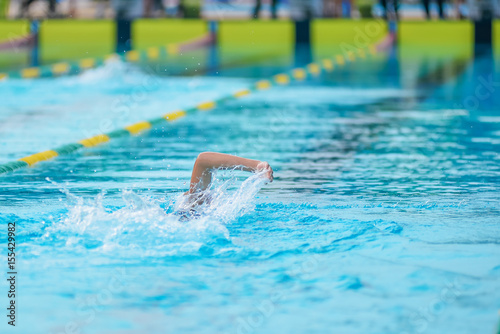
(207,161)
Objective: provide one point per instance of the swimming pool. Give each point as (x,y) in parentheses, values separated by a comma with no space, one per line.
(383,217)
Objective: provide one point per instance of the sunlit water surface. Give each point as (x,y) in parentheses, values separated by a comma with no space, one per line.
(383,217)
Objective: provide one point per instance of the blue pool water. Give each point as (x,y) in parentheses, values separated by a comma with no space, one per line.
(383,217)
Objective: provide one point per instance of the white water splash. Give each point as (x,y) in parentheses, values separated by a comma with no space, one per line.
(149,226)
(222,204)
(113,69)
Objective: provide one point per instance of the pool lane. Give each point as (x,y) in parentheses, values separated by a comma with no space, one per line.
(310,70)
(360,232)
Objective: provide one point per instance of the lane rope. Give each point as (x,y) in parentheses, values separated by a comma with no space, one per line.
(297,74)
(134,56)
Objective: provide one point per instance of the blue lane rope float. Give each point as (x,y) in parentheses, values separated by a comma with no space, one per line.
(297,74)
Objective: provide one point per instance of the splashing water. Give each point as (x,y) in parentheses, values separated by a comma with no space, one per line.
(218,204)
(111,70)
(153,226)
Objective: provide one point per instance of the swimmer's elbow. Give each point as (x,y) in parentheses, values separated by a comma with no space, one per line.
(204,158)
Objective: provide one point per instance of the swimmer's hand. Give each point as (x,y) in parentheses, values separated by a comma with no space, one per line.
(264,166)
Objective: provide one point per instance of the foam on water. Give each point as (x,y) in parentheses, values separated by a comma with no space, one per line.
(112,69)
(151,226)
